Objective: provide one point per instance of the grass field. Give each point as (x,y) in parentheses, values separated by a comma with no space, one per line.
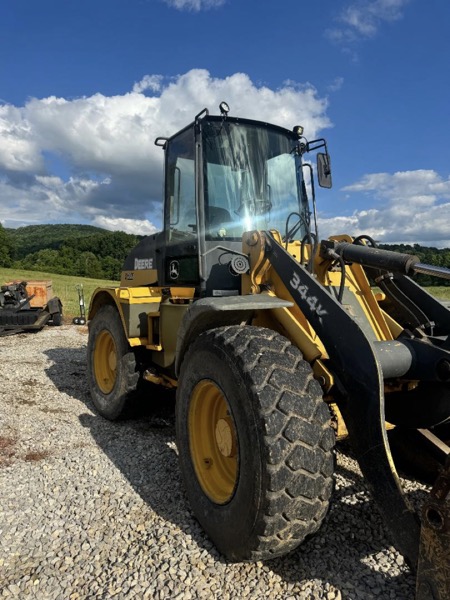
(64,287)
(440,291)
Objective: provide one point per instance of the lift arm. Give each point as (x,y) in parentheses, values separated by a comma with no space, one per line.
(361,401)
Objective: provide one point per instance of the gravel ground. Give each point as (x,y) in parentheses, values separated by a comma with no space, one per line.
(93,509)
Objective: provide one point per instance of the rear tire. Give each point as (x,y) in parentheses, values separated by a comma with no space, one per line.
(111,365)
(255,442)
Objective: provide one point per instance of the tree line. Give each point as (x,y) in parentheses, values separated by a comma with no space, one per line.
(86,251)
(79,250)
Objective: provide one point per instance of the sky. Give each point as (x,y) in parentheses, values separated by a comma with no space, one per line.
(87,85)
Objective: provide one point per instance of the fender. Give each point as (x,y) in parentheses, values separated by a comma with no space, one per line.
(208,313)
(133,305)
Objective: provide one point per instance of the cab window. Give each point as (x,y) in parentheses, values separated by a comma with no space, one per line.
(180,190)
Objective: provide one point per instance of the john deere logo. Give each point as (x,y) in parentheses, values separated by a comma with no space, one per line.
(174,269)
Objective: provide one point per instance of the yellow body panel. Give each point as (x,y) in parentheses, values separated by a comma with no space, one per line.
(149,318)
(291,322)
(134,304)
(139,277)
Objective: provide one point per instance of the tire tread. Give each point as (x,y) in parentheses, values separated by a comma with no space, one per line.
(117,404)
(295,422)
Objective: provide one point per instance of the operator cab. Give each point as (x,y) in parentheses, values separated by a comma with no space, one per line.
(225,176)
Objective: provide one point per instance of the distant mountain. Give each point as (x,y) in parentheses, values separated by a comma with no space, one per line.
(33,238)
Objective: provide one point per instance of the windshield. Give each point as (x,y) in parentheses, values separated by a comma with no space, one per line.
(252,179)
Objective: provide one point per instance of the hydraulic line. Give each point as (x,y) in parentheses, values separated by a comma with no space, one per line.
(415,316)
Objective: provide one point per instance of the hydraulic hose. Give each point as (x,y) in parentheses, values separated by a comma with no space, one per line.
(411,312)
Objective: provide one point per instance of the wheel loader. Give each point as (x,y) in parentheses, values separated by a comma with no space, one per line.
(277,342)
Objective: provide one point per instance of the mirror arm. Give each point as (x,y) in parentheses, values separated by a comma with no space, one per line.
(313,197)
(316,144)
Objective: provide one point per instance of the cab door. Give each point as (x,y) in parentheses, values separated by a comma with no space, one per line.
(181,263)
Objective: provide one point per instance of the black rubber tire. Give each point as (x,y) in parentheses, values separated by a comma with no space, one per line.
(57,319)
(285,442)
(112,405)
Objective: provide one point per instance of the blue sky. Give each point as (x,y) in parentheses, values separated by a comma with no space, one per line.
(86,86)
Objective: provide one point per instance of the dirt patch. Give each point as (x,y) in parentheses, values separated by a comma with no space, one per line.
(30,382)
(7,450)
(36,455)
(26,401)
(54,411)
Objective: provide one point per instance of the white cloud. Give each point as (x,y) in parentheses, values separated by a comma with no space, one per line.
(363,18)
(45,199)
(336,84)
(19,150)
(138,227)
(414,188)
(410,207)
(149,82)
(106,144)
(194,5)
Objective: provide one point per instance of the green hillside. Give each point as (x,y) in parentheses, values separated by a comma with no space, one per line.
(75,250)
(32,238)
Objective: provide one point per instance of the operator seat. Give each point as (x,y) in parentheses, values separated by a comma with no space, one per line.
(218,218)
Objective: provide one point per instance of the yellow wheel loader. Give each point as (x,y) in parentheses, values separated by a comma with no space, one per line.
(276,342)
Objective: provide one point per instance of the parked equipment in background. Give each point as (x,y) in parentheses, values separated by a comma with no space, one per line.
(277,341)
(81,320)
(21,311)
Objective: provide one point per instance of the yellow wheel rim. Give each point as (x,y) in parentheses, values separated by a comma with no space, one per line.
(105,362)
(213,442)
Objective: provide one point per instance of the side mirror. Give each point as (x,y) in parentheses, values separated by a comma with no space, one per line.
(324,170)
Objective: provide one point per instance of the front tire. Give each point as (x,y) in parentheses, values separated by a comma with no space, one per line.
(255,442)
(111,365)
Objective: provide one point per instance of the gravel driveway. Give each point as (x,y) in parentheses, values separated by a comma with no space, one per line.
(93,509)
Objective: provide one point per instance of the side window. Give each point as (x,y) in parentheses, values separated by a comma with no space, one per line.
(282,188)
(181,187)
